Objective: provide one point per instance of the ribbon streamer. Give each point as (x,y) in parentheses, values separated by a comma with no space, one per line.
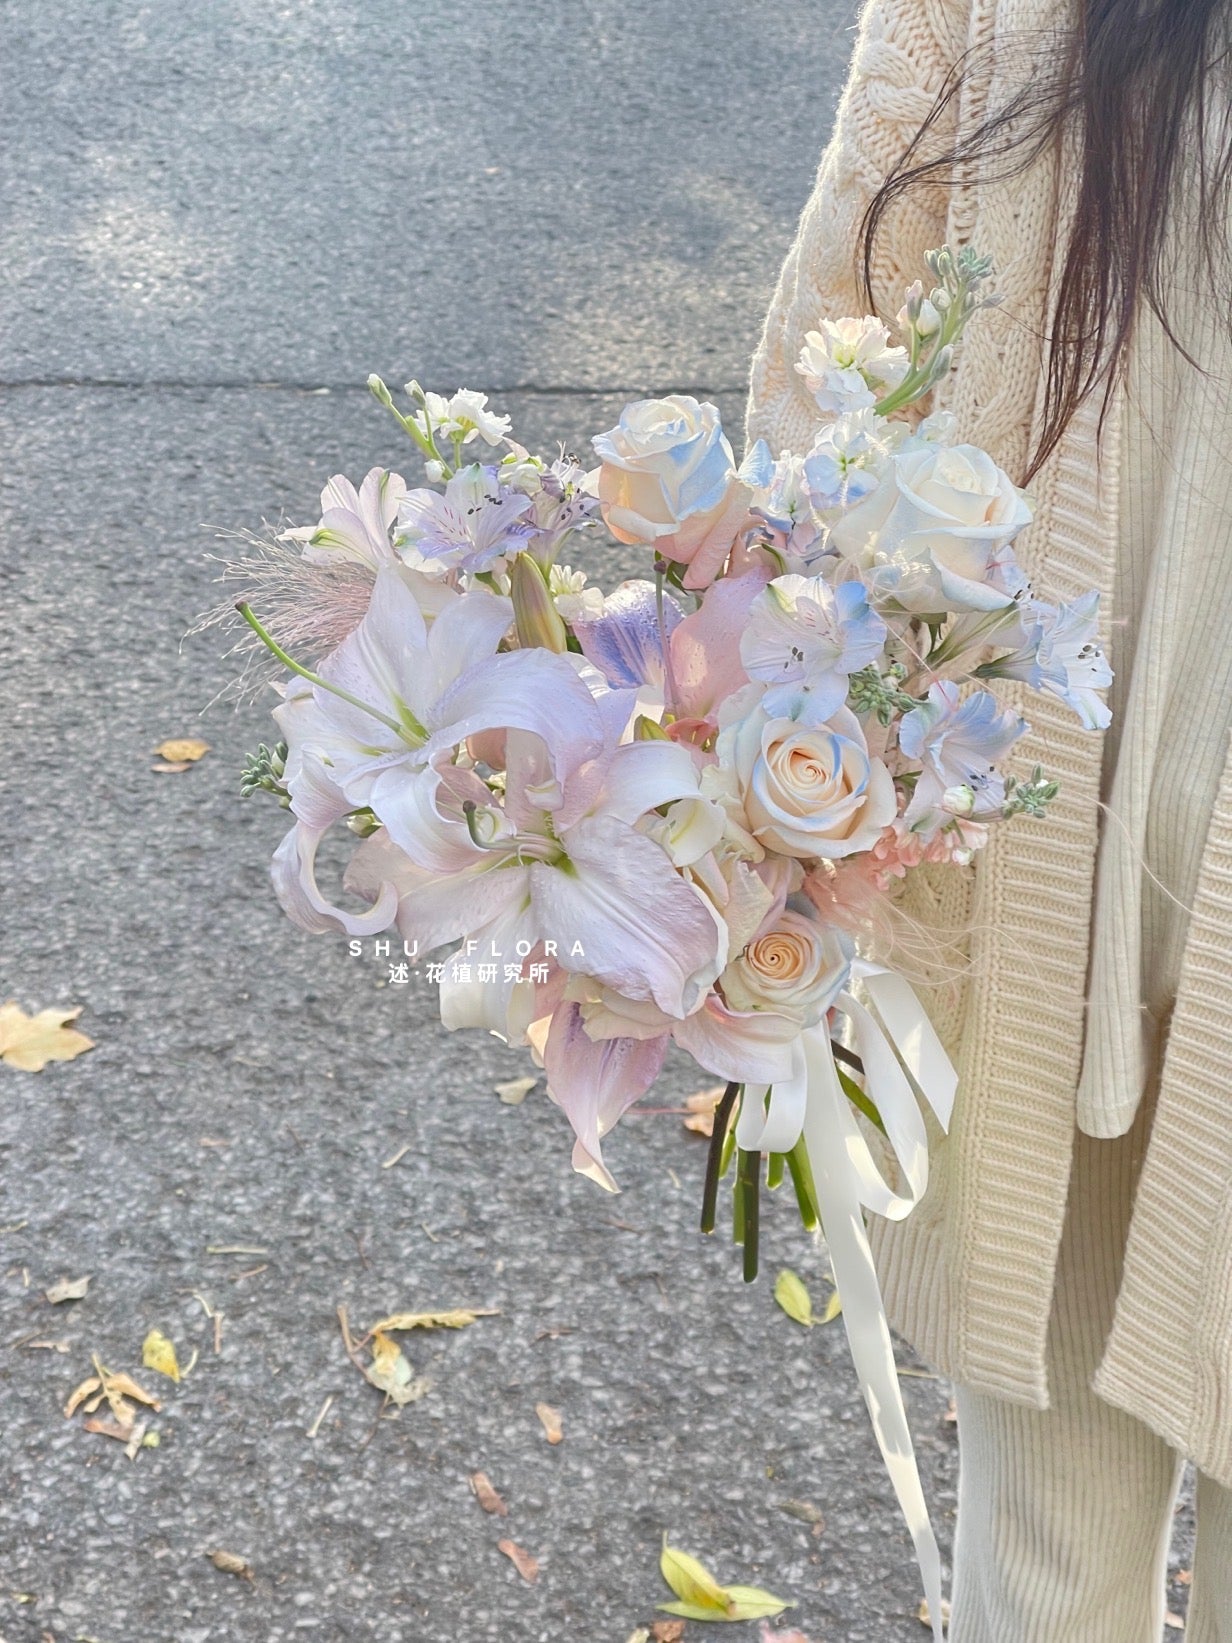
(848,1181)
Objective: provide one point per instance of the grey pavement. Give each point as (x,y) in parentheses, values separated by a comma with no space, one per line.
(218,219)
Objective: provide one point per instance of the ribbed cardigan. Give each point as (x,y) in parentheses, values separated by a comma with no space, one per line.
(969,1276)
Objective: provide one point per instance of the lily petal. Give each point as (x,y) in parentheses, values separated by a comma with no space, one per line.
(595,1083)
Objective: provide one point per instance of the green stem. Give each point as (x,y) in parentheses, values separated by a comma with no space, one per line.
(272,644)
(802,1181)
(714,1158)
(859,1100)
(748,1191)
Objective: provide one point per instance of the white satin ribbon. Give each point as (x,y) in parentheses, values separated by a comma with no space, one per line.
(848,1182)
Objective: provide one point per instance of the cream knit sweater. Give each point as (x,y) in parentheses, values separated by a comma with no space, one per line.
(969,1277)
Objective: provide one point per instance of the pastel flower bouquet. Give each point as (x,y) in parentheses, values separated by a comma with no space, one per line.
(677,811)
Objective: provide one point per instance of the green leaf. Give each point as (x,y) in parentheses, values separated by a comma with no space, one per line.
(833,1307)
(693,1583)
(794,1299)
(751,1603)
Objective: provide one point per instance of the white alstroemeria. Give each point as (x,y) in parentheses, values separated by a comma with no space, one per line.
(354,525)
(807,634)
(463,417)
(471,526)
(847,359)
(957,741)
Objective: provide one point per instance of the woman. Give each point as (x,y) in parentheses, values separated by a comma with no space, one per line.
(1071,1265)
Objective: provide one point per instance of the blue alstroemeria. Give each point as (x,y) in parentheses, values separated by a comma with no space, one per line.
(626,642)
(469,526)
(807,634)
(958,743)
(1062,655)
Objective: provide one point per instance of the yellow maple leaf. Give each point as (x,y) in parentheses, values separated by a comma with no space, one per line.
(31,1041)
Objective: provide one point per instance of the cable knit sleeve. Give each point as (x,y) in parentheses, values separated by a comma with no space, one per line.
(904,51)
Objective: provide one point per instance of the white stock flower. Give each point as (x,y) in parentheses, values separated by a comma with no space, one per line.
(844,361)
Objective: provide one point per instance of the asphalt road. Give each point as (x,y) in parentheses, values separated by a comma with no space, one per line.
(218,220)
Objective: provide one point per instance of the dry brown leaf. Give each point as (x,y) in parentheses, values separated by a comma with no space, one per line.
(702,1108)
(667,1631)
(31,1041)
(79,1395)
(68,1289)
(125,1386)
(551,1420)
(526,1565)
(457,1319)
(487,1496)
(165,769)
(46,1346)
(109,1428)
(231,1565)
(515,1090)
(1183,1577)
(182,750)
(925,1619)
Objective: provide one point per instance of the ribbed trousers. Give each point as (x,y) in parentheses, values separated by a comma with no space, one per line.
(1065,1514)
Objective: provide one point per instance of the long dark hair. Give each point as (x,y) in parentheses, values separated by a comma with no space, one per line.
(1135,83)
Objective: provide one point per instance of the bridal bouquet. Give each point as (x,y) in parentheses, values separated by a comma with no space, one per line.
(675,811)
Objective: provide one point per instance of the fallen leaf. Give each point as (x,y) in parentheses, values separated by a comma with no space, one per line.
(109,1428)
(640,1635)
(1174,1622)
(31,1041)
(68,1289)
(487,1496)
(804,1511)
(701,1108)
(702,1598)
(1183,1577)
(163,768)
(458,1319)
(751,1603)
(794,1299)
(765,1635)
(125,1386)
(925,1619)
(392,1374)
(833,1307)
(79,1395)
(158,1353)
(46,1346)
(667,1631)
(551,1421)
(136,1439)
(515,1090)
(231,1565)
(183,750)
(526,1565)
(693,1584)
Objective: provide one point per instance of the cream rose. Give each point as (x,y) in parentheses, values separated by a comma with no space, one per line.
(809,790)
(668,479)
(797,968)
(931,534)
